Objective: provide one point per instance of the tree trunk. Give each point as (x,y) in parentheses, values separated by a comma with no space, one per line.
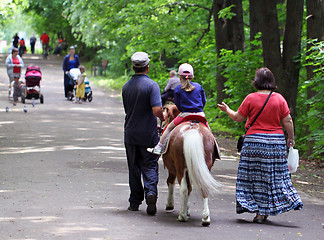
(229,34)
(255,18)
(271,39)
(237,25)
(222,41)
(315,30)
(291,52)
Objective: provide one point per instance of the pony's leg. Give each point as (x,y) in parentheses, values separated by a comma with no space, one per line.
(170,201)
(205,221)
(184,214)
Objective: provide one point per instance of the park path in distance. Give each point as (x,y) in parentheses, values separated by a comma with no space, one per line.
(63,175)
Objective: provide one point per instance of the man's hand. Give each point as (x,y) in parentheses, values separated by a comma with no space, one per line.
(158,112)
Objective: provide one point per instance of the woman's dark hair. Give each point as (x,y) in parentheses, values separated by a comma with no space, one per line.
(14,50)
(140,69)
(264,79)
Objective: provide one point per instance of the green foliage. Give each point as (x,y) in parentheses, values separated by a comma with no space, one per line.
(123,27)
(226,13)
(48,16)
(7,9)
(16,23)
(239,68)
(110,82)
(310,121)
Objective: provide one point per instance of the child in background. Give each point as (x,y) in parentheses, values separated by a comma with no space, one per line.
(18,87)
(80,91)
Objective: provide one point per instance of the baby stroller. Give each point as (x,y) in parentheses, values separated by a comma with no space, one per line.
(88,91)
(33,77)
(74,74)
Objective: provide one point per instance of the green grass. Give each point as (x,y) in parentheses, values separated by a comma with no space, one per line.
(110,82)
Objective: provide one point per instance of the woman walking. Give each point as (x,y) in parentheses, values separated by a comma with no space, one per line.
(263,183)
(14,64)
(70,61)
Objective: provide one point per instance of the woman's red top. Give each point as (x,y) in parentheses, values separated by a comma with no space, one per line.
(16,69)
(270,118)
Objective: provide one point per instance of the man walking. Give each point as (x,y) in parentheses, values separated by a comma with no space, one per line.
(142,104)
(45,42)
(32,41)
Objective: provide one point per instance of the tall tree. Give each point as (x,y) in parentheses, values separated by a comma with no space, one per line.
(255,26)
(291,52)
(315,30)
(271,38)
(283,63)
(229,34)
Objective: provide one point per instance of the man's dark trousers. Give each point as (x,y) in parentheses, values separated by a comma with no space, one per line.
(141,163)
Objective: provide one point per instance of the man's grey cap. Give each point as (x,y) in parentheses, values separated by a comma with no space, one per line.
(140,59)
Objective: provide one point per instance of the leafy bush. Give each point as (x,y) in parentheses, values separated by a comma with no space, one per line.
(310,120)
(239,69)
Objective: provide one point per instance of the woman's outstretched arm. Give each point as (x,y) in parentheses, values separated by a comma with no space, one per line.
(233,115)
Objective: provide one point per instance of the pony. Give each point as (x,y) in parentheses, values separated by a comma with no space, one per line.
(189,157)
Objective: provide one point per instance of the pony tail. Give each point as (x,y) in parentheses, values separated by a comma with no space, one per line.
(199,175)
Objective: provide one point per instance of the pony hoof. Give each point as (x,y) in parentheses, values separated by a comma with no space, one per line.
(205,224)
(169,208)
(182,218)
(205,221)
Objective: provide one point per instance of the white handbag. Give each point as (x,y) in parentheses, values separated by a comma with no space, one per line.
(293,160)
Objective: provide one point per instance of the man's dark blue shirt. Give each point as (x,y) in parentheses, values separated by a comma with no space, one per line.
(140,94)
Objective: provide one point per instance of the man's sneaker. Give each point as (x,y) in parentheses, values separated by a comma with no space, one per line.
(156,150)
(151,204)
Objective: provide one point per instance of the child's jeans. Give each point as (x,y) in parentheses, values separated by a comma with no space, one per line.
(18,91)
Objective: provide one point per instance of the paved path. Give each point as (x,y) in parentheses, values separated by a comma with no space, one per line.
(63,175)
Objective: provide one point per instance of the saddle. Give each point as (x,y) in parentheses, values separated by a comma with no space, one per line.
(194,119)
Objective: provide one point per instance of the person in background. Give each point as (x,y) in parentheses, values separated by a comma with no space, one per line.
(45,43)
(32,41)
(80,91)
(168,92)
(263,184)
(142,105)
(22,47)
(58,48)
(15,41)
(70,61)
(14,64)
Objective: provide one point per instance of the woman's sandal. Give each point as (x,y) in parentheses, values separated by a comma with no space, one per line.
(260,218)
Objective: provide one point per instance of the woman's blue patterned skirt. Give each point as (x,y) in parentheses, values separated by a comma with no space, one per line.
(263,183)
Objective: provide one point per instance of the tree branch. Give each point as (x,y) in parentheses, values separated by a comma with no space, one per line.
(208,22)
